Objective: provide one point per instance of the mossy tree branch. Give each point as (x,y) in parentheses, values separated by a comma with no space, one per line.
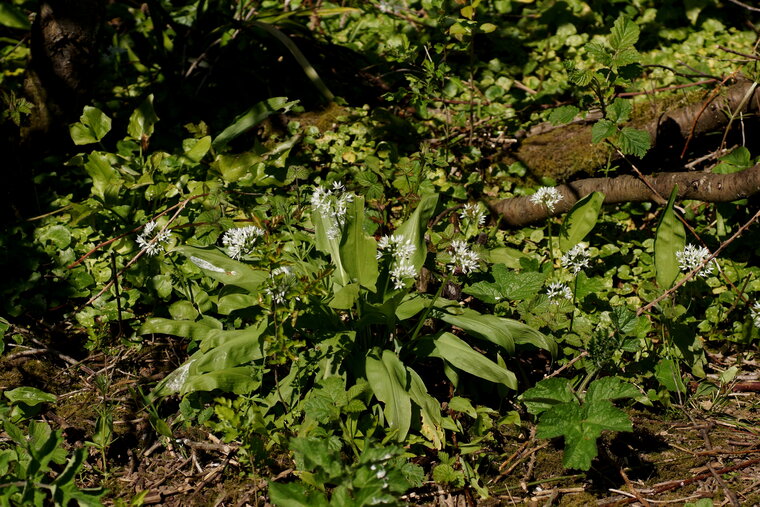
(701,186)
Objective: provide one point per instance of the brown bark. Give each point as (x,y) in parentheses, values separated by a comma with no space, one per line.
(700,186)
(63,56)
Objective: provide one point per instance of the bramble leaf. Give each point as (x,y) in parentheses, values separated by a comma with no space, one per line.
(634,141)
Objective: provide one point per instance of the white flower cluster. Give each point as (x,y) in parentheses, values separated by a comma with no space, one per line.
(151,240)
(754,312)
(557,291)
(332,204)
(462,257)
(473,214)
(575,259)
(241,240)
(546,196)
(692,257)
(281,280)
(401,252)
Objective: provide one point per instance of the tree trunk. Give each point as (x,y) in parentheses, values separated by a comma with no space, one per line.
(700,186)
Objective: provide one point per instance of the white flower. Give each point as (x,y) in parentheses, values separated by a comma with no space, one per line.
(463,258)
(546,196)
(474,214)
(401,251)
(241,240)
(281,281)
(557,290)
(754,311)
(150,242)
(576,258)
(333,205)
(692,257)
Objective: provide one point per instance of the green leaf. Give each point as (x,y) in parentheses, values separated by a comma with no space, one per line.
(634,141)
(462,356)
(142,120)
(219,266)
(563,114)
(92,126)
(620,110)
(599,53)
(196,149)
(357,249)
(738,160)
(459,404)
(345,297)
(580,220)
(670,238)
(547,394)
(508,285)
(625,57)
(430,409)
(12,17)
(415,227)
(581,426)
(29,395)
(610,388)
(234,352)
(581,77)
(602,130)
(388,379)
(105,179)
(253,117)
(484,326)
(295,494)
(239,380)
(625,33)
(668,374)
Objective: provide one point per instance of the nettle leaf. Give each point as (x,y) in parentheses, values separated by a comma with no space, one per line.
(624,34)
(602,130)
(547,394)
(634,141)
(625,57)
(93,125)
(670,238)
(580,220)
(620,110)
(581,426)
(507,285)
(563,114)
(599,53)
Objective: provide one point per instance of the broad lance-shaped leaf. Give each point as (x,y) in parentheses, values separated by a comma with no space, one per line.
(462,356)
(580,220)
(387,378)
(430,409)
(328,245)
(669,239)
(414,228)
(221,267)
(142,120)
(358,250)
(581,426)
(246,121)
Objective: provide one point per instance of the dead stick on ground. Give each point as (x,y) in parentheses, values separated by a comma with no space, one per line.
(635,493)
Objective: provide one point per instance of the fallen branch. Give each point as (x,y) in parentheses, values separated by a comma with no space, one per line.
(701,186)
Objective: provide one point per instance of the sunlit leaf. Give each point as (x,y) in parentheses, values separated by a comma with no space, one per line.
(580,220)
(670,238)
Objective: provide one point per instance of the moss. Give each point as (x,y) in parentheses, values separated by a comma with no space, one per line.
(562,152)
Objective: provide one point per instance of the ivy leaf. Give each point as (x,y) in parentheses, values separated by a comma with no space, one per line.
(563,114)
(92,126)
(581,426)
(634,141)
(625,33)
(602,130)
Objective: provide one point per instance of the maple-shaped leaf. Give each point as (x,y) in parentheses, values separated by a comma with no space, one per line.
(581,425)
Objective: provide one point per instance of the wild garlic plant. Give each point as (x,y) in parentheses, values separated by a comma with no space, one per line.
(547,197)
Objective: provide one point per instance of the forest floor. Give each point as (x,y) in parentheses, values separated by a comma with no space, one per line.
(692,451)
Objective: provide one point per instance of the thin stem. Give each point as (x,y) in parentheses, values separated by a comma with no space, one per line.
(430,306)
